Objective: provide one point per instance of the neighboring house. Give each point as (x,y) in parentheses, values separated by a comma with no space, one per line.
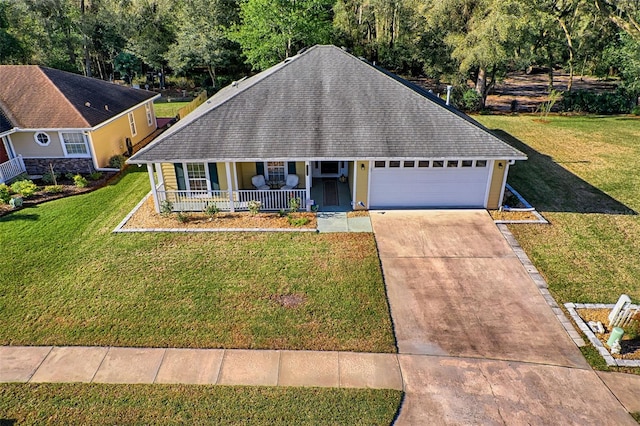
(325,114)
(75,123)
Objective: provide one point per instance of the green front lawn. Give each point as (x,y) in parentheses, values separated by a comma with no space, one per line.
(174,404)
(66,280)
(583,174)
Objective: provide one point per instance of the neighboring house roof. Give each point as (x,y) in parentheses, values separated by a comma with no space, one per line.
(35,97)
(324,103)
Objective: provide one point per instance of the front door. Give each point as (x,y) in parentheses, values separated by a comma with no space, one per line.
(6,153)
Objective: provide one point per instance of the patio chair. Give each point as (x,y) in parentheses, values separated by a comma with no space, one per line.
(259,183)
(292,182)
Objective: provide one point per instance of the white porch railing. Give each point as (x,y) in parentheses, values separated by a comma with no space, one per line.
(12,168)
(271,200)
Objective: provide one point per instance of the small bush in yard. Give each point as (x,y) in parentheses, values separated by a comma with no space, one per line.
(5,193)
(166,207)
(26,188)
(53,189)
(80,181)
(254,206)
(636,110)
(298,221)
(50,178)
(294,204)
(117,162)
(182,217)
(95,176)
(211,209)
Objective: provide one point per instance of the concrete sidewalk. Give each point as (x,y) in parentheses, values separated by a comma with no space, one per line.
(40,364)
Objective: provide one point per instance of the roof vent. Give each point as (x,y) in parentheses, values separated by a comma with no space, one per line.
(87,104)
(106,107)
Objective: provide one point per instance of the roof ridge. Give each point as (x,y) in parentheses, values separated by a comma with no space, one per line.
(57,89)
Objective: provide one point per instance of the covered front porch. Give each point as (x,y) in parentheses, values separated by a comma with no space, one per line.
(11,169)
(240,186)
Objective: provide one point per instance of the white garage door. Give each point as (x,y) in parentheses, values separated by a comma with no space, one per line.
(452,186)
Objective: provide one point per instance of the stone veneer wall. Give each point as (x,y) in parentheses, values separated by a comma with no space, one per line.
(40,166)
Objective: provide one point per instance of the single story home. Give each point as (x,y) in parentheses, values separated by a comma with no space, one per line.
(75,123)
(320,120)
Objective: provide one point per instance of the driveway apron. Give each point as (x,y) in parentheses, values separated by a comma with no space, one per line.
(478,342)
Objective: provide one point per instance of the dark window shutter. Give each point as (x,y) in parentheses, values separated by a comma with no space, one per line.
(292,167)
(213,175)
(260,168)
(180,177)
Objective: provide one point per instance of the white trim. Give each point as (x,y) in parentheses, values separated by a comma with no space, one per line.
(88,154)
(35,138)
(154,191)
(308,180)
(487,190)
(8,146)
(354,202)
(296,159)
(158,167)
(148,109)
(229,190)
(504,183)
(132,123)
(369,186)
(235,174)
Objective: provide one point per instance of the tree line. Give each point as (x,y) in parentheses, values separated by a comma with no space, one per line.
(214,41)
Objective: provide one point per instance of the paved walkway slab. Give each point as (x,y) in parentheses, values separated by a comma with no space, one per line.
(197,366)
(246,367)
(457,391)
(130,365)
(302,368)
(374,371)
(70,364)
(18,363)
(626,387)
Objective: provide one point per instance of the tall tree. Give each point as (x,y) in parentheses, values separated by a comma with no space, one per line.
(272,30)
(202,38)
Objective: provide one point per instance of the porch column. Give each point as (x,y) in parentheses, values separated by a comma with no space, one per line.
(307,182)
(152,180)
(227,167)
(160,175)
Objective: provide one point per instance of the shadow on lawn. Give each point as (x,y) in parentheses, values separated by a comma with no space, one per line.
(21,217)
(550,187)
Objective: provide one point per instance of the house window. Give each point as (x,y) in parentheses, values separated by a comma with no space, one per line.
(452,163)
(467,163)
(42,138)
(481,163)
(132,124)
(196,177)
(74,144)
(276,171)
(409,164)
(438,163)
(379,164)
(394,164)
(147,108)
(423,164)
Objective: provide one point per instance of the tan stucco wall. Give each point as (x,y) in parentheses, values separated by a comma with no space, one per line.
(24,144)
(109,140)
(497,177)
(169,176)
(362,184)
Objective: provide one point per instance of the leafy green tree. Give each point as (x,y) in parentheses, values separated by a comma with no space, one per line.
(202,41)
(272,30)
(12,49)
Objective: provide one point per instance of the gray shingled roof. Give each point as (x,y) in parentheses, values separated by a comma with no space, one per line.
(5,123)
(324,104)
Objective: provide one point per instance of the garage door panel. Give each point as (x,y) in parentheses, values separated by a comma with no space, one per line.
(447,187)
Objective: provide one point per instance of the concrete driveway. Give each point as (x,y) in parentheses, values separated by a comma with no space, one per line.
(478,342)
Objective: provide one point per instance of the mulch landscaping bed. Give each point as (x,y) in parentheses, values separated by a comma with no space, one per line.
(69,189)
(630,343)
(146,218)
